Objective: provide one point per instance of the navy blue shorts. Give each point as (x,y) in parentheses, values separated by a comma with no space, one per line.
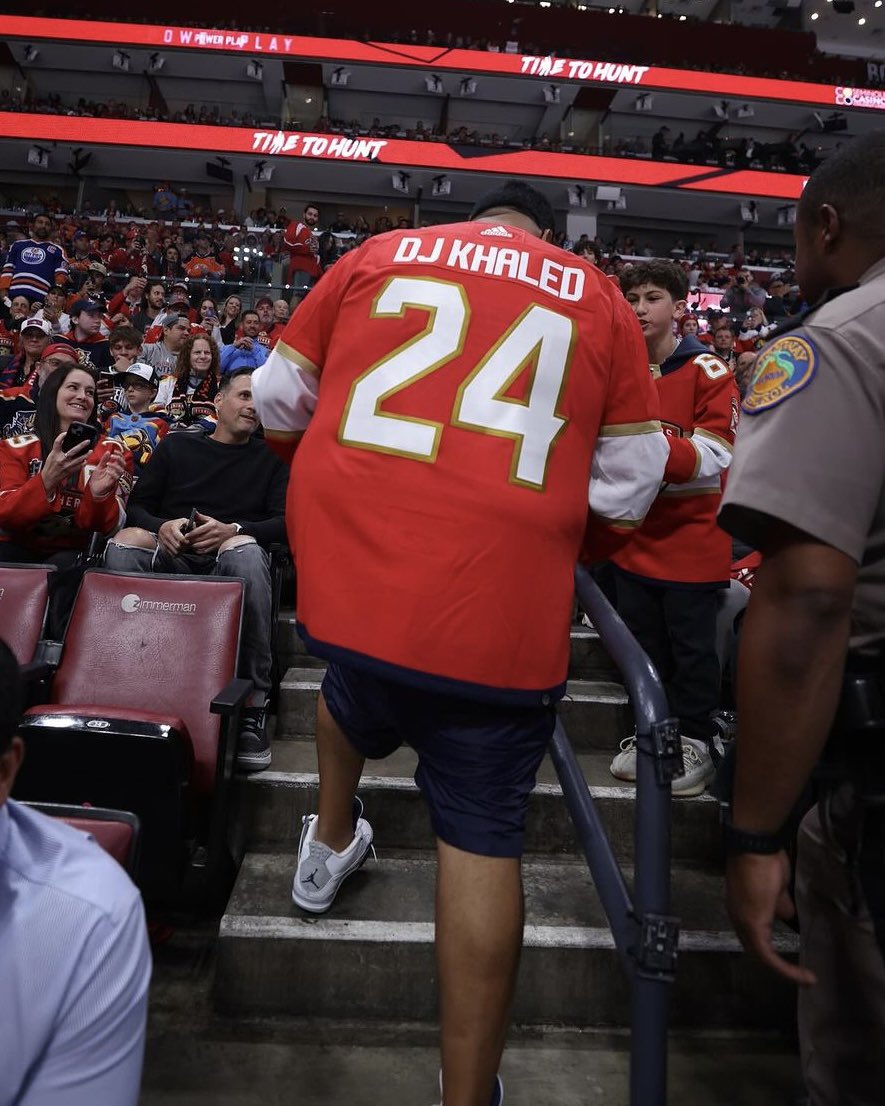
(477,762)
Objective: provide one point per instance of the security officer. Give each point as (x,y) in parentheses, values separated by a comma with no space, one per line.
(807,488)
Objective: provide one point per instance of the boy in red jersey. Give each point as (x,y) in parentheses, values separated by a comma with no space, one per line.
(669,574)
(457,388)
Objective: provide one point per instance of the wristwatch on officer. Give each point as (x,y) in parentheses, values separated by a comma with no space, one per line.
(744,841)
(238,529)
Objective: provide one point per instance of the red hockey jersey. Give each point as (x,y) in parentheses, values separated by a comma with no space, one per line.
(680,541)
(29,518)
(303,249)
(457,384)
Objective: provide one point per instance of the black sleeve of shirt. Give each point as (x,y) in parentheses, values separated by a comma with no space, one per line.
(272,530)
(144,508)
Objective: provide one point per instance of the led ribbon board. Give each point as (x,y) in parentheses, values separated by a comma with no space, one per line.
(398,153)
(341,51)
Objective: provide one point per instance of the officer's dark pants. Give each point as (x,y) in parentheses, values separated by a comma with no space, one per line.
(840,896)
(677,629)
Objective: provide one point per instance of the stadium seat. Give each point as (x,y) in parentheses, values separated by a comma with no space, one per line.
(143,715)
(24,600)
(117,831)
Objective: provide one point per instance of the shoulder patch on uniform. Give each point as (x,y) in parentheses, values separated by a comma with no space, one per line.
(782,369)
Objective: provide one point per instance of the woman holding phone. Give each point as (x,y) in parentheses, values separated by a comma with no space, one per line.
(66,480)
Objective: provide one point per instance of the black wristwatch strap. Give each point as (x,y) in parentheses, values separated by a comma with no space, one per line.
(743,841)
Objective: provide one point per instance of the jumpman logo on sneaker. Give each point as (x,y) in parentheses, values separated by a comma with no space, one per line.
(311,879)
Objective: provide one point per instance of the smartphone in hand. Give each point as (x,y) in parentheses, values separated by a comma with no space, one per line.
(79,432)
(191,522)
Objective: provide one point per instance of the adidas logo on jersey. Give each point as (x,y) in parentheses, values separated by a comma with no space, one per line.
(495,232)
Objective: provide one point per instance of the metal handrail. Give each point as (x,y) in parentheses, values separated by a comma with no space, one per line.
(645,933)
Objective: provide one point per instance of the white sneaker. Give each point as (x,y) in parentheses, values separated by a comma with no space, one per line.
(696,759)
(623,767)
(321,870)
(699,768)
(497,1092)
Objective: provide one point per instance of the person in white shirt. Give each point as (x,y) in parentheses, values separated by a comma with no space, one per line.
(75,962)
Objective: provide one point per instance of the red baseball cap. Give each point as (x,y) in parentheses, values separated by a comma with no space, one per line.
(56,348)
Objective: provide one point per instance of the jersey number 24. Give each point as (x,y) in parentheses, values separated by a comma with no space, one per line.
(539,340)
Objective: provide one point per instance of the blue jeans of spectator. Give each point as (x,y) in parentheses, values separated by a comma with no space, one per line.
(250,563)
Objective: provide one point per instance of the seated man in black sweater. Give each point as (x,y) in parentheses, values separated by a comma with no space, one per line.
(238,488)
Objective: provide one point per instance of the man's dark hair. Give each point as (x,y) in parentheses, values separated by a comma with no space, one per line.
(228,379)
(662,274)
(126,333)
(10,696)
(852,180)
(47,424)
(250,311)
(588,247)
(515,195)
(316,207)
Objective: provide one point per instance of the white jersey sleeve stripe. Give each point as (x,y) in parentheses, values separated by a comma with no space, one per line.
(715,454)
(626,474)
(285,390)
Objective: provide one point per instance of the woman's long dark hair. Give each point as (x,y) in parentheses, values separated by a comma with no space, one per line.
(208,386)
(171,268)
(47,424)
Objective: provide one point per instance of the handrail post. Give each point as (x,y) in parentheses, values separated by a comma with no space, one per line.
(652,955)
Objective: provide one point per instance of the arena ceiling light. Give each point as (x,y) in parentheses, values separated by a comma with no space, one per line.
(577,196)
(442,186)
(749,212)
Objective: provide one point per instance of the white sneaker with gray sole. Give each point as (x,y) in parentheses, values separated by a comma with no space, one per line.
(696,759)
(321,870)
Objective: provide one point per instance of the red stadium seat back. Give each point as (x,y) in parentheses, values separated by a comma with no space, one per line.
(24,597)
(117,831)
(164,644)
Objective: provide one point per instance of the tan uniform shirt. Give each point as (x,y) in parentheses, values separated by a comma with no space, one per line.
(810,448)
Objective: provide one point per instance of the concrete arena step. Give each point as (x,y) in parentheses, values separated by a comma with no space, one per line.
(273,803)
(372,956)
(588,660)
(596,713)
